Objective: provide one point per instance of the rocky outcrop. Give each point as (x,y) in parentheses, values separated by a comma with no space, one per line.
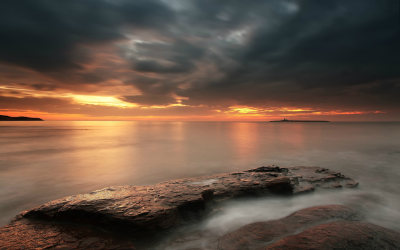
(35,234)
(260,233)
(321,227)
(341,235)
(140,212)
(166,204)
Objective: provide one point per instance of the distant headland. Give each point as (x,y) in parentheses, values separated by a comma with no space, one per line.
(20,118)
(286,120)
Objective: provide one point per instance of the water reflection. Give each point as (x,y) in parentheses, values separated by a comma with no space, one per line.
(104,152)
(288,136)
(48,160)
(245,140)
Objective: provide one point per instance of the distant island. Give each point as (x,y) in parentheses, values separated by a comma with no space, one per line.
(20,118)
(286,120)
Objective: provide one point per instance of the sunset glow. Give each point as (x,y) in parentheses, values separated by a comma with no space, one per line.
(101,101)
(188,62)
(138,99)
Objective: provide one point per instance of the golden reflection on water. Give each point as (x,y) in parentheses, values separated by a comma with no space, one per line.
(48,160)
(103,150)
(178,132)
(112,150)
(245,139)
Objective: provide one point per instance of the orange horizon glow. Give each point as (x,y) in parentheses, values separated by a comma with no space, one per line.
(102,106)
(330,115)
(88,107)
(101,101)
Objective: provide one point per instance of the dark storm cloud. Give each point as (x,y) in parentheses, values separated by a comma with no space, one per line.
(154,91)
(340,42)
(44,34)
(156,86)
(318,54)
(176,57)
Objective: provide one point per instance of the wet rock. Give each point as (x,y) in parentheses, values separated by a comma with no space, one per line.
(158,207)
(310,178)
(260,234)
(161,206)
(269,169)
(321,227)
(341,235)
(34,234)
(145,210)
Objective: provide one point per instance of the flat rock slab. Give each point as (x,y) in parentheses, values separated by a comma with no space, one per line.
(137,210)
(33,234)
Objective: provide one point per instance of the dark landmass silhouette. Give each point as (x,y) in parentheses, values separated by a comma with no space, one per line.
(19,118)
(286,120)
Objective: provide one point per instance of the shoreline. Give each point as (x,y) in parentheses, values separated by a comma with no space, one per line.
(145,211)
(145,217)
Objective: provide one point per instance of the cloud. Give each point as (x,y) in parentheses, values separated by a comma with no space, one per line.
(323,51)
(331,54)
(46,35)
(175,57)
(54,105)
(150,99)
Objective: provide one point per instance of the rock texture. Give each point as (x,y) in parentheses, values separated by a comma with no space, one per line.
(33,234)
(321,227)
(261,233)
(341,235)
(140,212)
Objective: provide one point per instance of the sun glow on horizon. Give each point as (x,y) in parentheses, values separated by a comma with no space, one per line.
(244,110)
(248,110)
(109,101)
(106,106)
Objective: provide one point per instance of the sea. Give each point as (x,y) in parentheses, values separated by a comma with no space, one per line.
(45,160)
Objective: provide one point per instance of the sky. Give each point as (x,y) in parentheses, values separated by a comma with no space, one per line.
(217,60)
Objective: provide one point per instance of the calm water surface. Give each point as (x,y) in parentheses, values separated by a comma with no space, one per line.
(41,161)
